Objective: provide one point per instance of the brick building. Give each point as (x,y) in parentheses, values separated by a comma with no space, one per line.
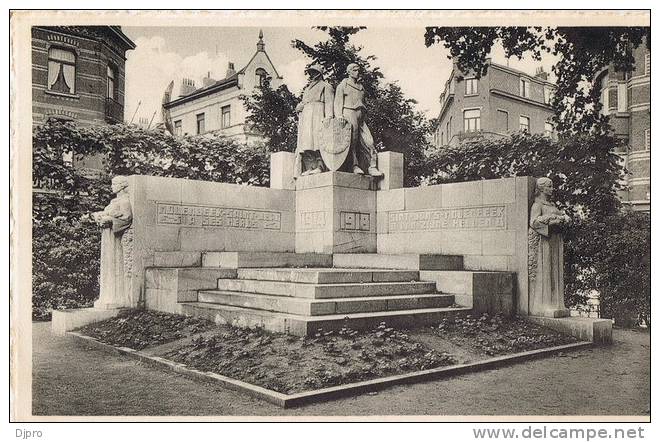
(78,73)
(626,99)
(216,105)
(502,101)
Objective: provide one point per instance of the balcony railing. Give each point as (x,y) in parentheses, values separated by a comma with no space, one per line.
(114,111)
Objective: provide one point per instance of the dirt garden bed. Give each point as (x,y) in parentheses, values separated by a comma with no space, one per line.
(290,364)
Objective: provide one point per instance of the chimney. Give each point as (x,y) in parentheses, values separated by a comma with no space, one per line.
(540,73)
(230,70)
(187,87)
(207,81)
(261,46)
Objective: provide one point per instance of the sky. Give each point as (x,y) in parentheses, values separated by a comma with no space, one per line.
(163,54)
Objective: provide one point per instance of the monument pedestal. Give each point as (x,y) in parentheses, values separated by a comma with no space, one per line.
(336,213)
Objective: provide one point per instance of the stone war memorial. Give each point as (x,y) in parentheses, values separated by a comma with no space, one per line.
(336,241)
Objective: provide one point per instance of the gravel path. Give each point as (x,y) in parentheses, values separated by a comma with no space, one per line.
(72,379)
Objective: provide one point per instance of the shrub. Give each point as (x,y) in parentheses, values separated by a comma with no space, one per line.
(65,265)
(619,248)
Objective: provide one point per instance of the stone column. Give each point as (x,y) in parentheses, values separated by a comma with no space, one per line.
(391,164)
(281,170)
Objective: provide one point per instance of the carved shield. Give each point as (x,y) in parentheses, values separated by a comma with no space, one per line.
(334,140)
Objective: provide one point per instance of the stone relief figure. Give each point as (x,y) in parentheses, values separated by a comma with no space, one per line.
(546,254)
(316,106)
(349,104)
(116,245)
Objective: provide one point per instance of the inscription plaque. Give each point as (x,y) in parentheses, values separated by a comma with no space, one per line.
(311,221)
(209,216)
(354,221)
(465,218)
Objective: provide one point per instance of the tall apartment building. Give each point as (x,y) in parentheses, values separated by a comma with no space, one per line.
(626,99)
(504,100)
(216,106)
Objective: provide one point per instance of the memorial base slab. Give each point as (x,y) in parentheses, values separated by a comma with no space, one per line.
(67,320)
(598,331)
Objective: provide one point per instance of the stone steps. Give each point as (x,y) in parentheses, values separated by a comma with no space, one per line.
(324,291)
(301,325)
(402,261)
(314,307)
(236,260)
(328,275)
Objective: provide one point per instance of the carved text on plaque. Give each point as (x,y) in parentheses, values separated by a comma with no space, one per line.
(209,216)
(354,221)
(311,221)
(466,218)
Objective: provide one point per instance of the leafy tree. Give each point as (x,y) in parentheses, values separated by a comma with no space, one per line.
(391,117)
(583,52)
(616,255)
(272,113)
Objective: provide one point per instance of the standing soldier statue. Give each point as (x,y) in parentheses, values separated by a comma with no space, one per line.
(349,105)
(315,108)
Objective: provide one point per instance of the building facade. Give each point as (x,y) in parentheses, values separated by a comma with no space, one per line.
(504,100)
(626,99)
(78,73)
(216,106)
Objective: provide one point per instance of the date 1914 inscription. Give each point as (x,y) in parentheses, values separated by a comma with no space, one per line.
(208,216)
(468,218)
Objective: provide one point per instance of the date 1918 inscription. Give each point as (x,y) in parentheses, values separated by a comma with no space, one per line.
(209,216)
(468,218)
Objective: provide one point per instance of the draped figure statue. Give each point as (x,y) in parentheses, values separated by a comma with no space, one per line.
(546,254)
(116,240)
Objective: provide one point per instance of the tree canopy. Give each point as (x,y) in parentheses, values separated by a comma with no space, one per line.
(272,113)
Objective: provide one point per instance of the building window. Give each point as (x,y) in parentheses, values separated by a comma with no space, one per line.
(548,129)
(647,139)
(261,76)
(471,86)
(647,64)
(548,94)
(226,116)
(622,97)
(61,70)
(442,138)
(502,120)
(178,128)
(200,124)
(472,120)
(524,124)
(524,88)
(448,131)
(111,83)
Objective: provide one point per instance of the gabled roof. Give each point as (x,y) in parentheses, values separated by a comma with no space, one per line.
(206,90)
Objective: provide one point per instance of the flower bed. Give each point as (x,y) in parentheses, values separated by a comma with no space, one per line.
(290,364)
(140,329)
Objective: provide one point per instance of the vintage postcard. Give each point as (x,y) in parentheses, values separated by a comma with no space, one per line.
(331,215)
